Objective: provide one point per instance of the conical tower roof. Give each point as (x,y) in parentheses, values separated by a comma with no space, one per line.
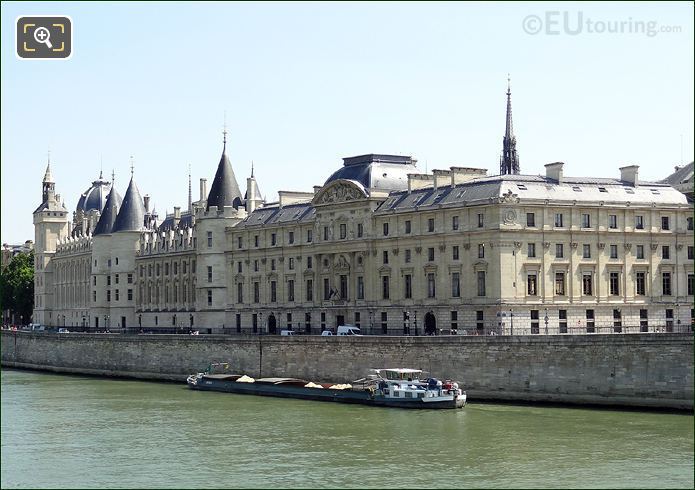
(131,216)
(225,189)
(109,214)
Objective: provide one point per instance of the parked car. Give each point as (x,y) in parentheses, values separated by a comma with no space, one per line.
(63,330)
(349,330)
(286,332)
(326,332)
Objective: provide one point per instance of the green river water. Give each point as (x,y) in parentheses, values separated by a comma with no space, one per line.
(63,431)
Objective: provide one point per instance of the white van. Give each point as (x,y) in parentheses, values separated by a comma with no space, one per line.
(348,330)
(286,332)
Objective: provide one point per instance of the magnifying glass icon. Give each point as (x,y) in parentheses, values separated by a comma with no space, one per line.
(43,36)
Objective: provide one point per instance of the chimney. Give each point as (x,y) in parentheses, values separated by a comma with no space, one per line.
(203,189)
(419,181)
(459,175)
(147,203)
(554,171)
(441,178)
(177,215)
(630,174)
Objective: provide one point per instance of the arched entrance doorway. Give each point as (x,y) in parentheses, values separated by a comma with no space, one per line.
(272,324)
(430,324)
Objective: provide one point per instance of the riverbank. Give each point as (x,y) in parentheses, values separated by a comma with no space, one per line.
(637,370)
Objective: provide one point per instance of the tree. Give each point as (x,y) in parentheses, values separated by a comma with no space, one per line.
(17,286)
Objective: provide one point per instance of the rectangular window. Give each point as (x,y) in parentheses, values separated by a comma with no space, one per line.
(665,223)
(325,233)
(559,251)
(289,321)
(290,290)
(669,320)
(118,294)
(639,251)
(535,322)
(481,220)
(613,221)
(273,239)
(531,220)
(108,280)
(255,241)
(209,239)
(559,283)
(639,222)
(455,252)
(310,290)
(665,252)
(558,220)
(617,321)
(454,223)
(587,284)
(666,283)
(116,277)
(408,286)
(239,269)
(360,287)
(255,265)
(309,236)
(590,325)
(691,284)
(586,221)
(385,257)
(343,231)
(256,292)
(614,283)
(240,243)
(307,322)
(273,291)
(385,287)
(323,321)
(407,256)
(691,252)
(94,296)
(431,292)
(130,295)
(430,225)
(290,237)
(385,227)
(481,250)
(690,223)
(407,227)
(272,264)
(455,285)
(238,322)
(210,272)
(562,320)
(479,321)
(614,251)
(531,285)
(290,263)
(481,283)
(643,321)
(531,250)
(384,322)
(309,262)
(209,297)
(454,315)
(586,251)
(430,254)
(640,283)
(240,292)
(360,230)
(326,289)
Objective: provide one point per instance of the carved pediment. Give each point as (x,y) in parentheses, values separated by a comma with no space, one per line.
(340,191)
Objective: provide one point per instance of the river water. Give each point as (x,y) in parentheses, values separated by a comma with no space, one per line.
(62,431)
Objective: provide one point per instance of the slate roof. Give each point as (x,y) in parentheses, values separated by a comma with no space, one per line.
(374,171)
(225,189)
(95,197)
(276,215)
(131,216)
(108,216)
(168,223)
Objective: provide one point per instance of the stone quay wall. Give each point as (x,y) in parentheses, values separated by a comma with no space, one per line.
(639,370)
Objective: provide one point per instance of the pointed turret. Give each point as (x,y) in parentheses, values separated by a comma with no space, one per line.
(131,216)
(225,189)
(109,214)
(509,161)
(48,186)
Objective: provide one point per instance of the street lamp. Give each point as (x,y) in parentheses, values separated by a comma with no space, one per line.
(546,321)
(371,322)
(416,332)
(511,321)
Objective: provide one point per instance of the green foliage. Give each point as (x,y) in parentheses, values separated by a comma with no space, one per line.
(17,286)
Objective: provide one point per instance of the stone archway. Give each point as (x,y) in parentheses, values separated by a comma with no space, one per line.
(272,324)
(430,324)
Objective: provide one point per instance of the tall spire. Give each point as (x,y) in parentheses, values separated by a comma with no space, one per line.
(224,134)
(252,169)
(132,167)
(509,161)
(190,191)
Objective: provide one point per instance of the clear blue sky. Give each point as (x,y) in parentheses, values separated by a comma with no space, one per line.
(305,84)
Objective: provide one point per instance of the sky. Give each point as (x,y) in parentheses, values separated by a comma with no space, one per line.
(303,85)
